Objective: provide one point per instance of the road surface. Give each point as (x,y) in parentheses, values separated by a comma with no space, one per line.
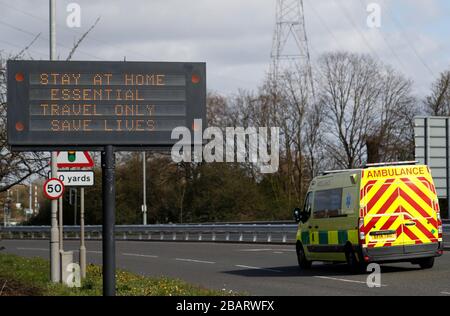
(252,269)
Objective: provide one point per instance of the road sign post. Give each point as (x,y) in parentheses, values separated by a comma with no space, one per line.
(55,264)
(109,210)
(54,190)
(144,189)
(7,209)
(61,224)
(82,243)
(74,202)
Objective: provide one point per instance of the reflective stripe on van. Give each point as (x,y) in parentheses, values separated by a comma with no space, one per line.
(399,206)
(332,237)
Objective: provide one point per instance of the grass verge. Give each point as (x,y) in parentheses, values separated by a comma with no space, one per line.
(30,276)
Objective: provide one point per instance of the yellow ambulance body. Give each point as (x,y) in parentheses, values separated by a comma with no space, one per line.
(382,213)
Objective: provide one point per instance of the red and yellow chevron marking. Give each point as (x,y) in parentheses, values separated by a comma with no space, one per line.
(401,199)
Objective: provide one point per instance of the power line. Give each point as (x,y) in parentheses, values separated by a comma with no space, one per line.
(323,23)
(44,38)
(73,31)
(387,43)
(17,28)
(350,19)
(21,47)
(408,40)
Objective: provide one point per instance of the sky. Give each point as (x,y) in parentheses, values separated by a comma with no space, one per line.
(234,37)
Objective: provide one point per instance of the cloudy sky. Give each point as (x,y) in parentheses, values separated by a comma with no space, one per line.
(235,36)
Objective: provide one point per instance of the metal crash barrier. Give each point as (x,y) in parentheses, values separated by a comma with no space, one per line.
(238,233)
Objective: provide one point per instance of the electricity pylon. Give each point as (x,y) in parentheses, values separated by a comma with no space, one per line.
(290,52)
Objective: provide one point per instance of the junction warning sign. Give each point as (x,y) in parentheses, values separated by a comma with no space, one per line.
(74,159)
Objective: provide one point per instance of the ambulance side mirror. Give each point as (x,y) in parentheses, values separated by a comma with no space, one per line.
(300,215)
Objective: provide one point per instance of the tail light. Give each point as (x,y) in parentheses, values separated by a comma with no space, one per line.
(362,234)
(439,225)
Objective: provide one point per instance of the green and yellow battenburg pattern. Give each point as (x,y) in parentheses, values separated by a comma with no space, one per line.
(332,237)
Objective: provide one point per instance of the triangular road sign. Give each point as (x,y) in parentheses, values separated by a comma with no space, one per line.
(74,159)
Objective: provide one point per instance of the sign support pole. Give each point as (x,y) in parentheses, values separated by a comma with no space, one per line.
(54,232)
(144,188)
(30,198)
(4,215)
(109,209)
(82,243)
(61,224)
(75,208)
(447,164)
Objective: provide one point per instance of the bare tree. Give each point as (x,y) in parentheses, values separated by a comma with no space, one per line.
(15,167)
(315,155)
(81,39)
(217,110)
(349,92)
(391,133)
(438,102)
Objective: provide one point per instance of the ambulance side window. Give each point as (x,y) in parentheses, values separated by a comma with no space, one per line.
(308,204)
(327,203)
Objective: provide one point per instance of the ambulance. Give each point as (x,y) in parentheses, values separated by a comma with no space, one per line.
(382,213)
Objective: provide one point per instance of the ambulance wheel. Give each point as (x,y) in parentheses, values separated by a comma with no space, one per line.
(303,263)
(426,263)
(352,261)
(350,257)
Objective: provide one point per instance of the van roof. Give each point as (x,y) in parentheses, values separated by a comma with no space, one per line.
(373,165)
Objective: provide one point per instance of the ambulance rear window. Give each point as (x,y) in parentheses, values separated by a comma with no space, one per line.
(327,203)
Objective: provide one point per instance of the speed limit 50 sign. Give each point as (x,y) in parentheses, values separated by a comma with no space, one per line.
(53,188)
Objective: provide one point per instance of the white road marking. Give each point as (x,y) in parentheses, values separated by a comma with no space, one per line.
(257,268)
(194,260)
(445,293)
(255,250)
(344,280)
(138,255)
(266,249)
(36,249)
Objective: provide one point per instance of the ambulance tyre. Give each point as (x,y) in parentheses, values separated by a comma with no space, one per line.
(426,263)
(303,263)
(355,265)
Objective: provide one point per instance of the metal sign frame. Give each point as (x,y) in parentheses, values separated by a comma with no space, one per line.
(432,148)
